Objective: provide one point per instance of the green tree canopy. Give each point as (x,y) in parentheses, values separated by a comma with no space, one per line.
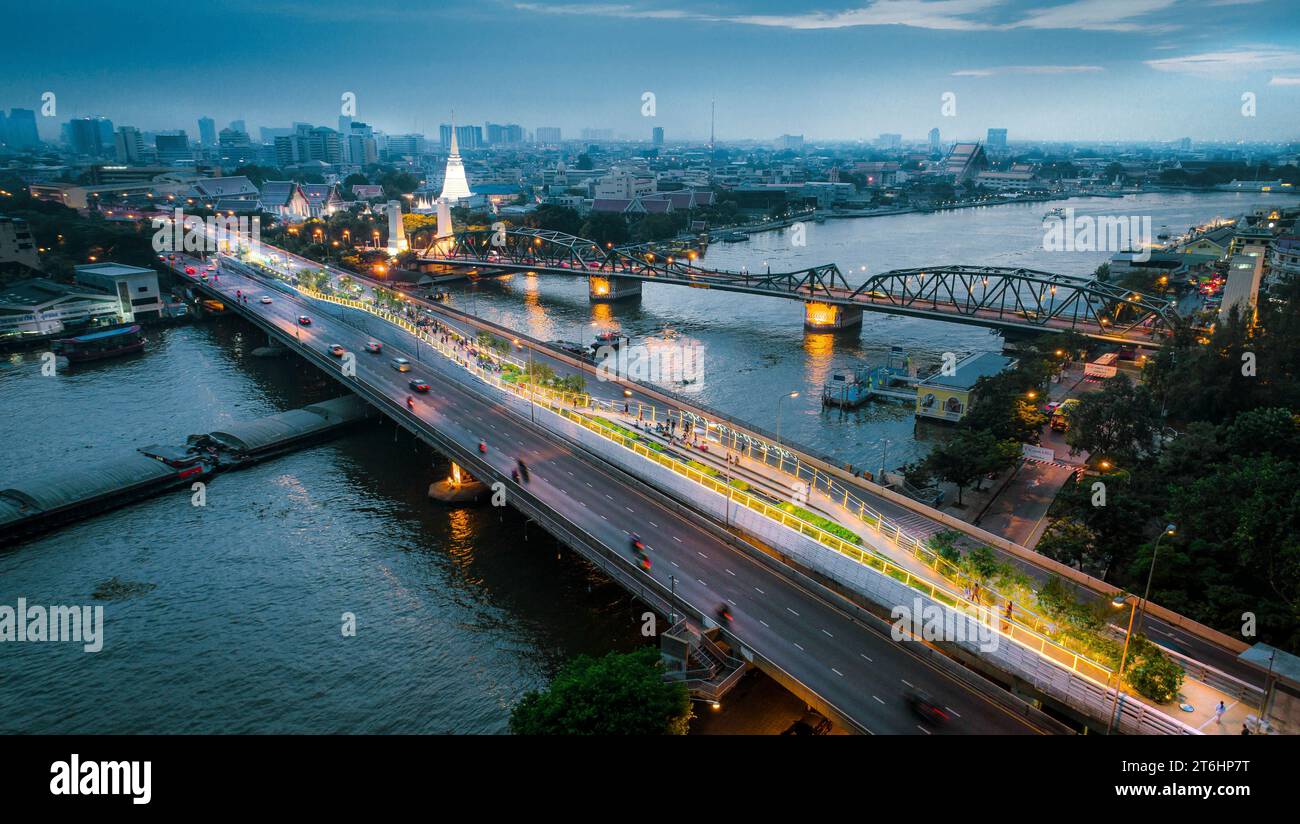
(623,693)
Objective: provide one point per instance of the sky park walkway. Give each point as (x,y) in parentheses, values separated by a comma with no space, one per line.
(1010,299)
(759,481)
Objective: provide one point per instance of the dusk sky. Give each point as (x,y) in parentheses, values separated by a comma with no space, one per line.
(1073,70)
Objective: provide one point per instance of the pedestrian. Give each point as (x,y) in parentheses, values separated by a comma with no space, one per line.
(1245,730)
(1219,711)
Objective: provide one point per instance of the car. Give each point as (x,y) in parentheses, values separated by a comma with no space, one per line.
(337,350)
(375,347)
(303,320)
(265,299)
(401,364)
(418,386)
(189,270)
(926,707)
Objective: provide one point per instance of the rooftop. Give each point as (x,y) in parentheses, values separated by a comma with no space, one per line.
(969,370)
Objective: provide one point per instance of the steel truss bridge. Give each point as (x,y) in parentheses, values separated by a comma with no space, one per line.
(992,296)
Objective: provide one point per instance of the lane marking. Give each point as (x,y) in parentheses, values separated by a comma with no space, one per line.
(828,635)
(729,572)
(878,698)
(909,683)
(760,592)
(923,729)
(792,612)
(953,711)
(837,672)
(796,643)
(764,623)
(864,655)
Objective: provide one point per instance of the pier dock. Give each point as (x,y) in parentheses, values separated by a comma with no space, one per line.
(44,502)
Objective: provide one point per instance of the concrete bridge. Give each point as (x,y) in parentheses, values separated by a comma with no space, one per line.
(995,297)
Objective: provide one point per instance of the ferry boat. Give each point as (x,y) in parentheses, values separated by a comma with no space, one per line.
(1056,214)
(735,237)
(110,343)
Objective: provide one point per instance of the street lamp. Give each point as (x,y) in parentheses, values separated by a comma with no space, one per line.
(780,452)
(1169,529)
(1118,602)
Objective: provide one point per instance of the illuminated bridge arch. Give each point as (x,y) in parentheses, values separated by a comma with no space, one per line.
(1006,296)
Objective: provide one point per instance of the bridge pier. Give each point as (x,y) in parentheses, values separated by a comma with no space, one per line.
(830,317)
(607,288)
(458,487)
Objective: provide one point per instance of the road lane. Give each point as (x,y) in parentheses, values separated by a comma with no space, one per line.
(852,666)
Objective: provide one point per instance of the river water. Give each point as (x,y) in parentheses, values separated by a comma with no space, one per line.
(228,617)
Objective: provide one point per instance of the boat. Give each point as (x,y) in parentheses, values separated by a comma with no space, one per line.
(735,237)
(1055,214)
(1163,233)
(608,339)
(109,343)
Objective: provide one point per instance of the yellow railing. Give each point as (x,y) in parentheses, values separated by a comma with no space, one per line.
(563,404)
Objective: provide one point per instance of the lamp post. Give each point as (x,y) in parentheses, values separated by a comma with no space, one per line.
(780,459)
(1169,529)
(1118,602)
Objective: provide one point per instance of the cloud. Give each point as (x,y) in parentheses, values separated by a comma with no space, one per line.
(964,15)
(1097,15)
(1278,80)
(926,14)
(1230,62)
(998,70)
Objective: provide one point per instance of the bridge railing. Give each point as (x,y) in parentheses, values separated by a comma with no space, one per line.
(1025,628)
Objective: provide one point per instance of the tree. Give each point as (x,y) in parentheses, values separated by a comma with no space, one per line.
(605,228)
(623,693)
(1122,422)
(1074,543)
(968,455)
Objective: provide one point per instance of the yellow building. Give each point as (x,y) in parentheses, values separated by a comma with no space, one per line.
(947,395)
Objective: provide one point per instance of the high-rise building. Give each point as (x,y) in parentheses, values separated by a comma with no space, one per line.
(889,141)
(790,141)
(468,137)
(90,136)
(405,145)
(128,145)
(345,124)
(548,134)
(307,144)
(236,148)
(362,149)
(934,139)
(996,139)
(173,148)
(207,132)
(657,135)
(597,134)
(22,133)
(238,125)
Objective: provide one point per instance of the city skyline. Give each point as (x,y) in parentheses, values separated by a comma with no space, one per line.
(1089,70)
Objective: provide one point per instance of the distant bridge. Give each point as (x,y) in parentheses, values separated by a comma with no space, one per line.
(992,296)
